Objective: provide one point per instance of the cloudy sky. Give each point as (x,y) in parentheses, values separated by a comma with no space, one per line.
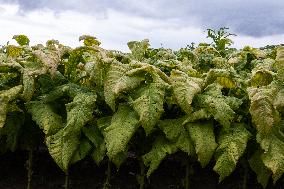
(167,23)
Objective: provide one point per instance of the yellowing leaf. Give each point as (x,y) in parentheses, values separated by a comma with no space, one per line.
(117,81)
(261,108)
(226,82)
(219,106)
(185,88)
(149,105)
(13,51)
(261,78)
(227,78)
(28,82)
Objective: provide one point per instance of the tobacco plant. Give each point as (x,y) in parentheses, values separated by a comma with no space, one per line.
(210,102)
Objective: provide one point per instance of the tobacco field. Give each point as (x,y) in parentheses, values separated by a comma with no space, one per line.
(205,105)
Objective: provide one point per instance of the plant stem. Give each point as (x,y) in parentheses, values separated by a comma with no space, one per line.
(66,185)
(30,169)
(107,182)
(141,178)
(245,177)
(187,174)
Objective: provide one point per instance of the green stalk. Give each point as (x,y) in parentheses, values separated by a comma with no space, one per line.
(188,167)
(141,177)
(245,177)
(188,172)
(66,184)
(108,174)
(30,169)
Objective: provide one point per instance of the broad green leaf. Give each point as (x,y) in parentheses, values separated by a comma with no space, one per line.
(161,147)
(99,153)
(11,94)
(219,106)
(103,123)
(79,112)
(47,83)
(185,144)
(10,75)
(149,104)
(82,151)
(97,69)
(117,81)
(64,144)
(201,114)
(7,96)
(172,128)
(70,90)
(62,149)
(45,117)
(231,146)
(202,135)
(123,125)
(177,134)
(144,69)
(7,80)
(120,158)
(185,88)
(11,132)
(94,135)
(273,156)
(262,172)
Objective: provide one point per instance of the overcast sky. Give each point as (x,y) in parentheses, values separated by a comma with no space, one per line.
(167,23)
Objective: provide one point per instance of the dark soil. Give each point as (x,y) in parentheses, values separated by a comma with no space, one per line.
(87,175)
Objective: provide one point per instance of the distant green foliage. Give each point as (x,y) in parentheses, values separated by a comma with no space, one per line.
(22,39)
(89,40)
(221,39)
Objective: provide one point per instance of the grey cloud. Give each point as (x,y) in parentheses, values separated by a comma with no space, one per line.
(85,6)
(246,17)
